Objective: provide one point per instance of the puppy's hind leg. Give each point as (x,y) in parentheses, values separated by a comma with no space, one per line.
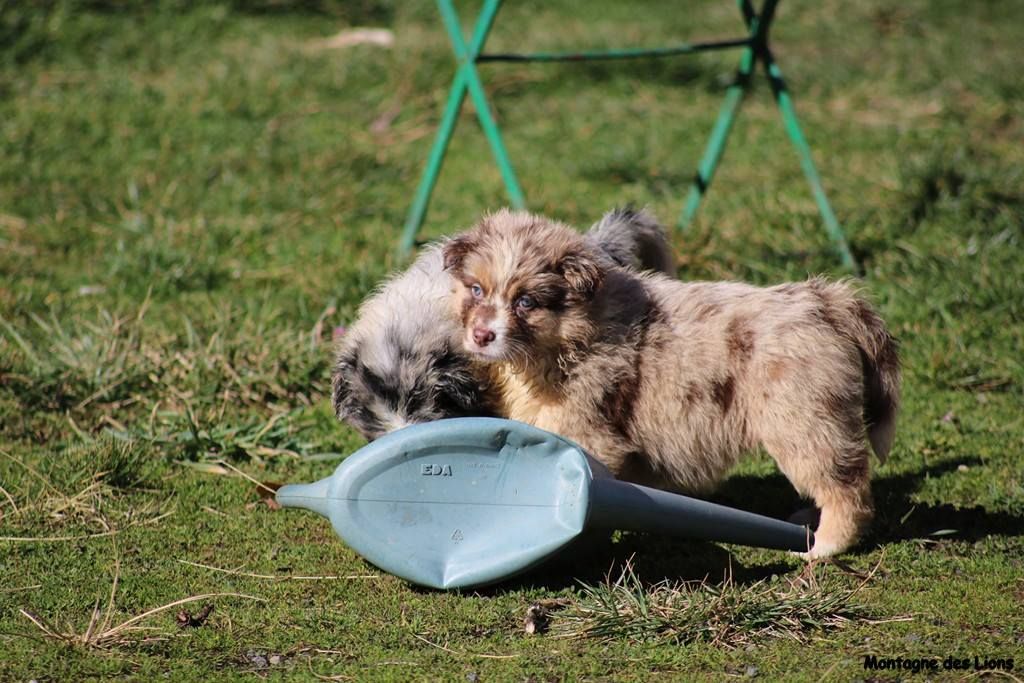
(829,465)
(846,510)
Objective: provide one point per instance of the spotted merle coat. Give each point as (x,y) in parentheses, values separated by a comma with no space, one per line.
(667,382)
(401,362)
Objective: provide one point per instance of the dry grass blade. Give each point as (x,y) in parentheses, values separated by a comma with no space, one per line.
(259,484)
(726,614)
(46,482)
(104,636)
(112,632)
(10,499)
(461,653)
(87,491)
(82,537)
(93,620)
(321,677)
(43,625)
(113,588)
(272,577)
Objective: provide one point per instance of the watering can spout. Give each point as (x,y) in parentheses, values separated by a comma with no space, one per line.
(312,497)
(620,505)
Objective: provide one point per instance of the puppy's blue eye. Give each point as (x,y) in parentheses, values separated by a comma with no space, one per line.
(525,302)
(476,290)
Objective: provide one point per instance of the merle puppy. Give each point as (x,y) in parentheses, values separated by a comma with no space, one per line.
(402,363)
(666,382)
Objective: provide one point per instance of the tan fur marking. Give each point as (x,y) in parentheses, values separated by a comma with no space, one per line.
(776,369)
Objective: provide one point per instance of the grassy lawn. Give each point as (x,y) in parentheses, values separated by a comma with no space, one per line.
(193,196)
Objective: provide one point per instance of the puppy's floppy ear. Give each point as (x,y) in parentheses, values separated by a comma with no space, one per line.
(341,387)
(456,250)
(582,270)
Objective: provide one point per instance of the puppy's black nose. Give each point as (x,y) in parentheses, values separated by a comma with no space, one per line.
(483,336)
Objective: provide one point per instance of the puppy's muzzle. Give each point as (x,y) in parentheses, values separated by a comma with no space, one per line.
(483,336)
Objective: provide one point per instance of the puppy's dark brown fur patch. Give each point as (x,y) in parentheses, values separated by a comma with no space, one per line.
(740,338)
(723,391)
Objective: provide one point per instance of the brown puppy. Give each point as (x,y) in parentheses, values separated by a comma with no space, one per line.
(667,383)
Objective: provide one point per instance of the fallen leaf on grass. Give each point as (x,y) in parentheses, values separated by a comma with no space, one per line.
(352,37)
(206,467)
(266,491)
(380,125)
(187,620)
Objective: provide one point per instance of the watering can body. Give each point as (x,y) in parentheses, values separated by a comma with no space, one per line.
(471,501)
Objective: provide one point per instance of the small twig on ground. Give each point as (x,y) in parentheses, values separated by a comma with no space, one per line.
(134,620)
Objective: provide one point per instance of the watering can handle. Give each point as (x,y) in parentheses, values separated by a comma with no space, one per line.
(620,505)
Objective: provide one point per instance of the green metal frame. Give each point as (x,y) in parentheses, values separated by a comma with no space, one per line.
(755,50)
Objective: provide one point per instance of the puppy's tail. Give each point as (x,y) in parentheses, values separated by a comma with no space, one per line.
(879,351)
(634,239)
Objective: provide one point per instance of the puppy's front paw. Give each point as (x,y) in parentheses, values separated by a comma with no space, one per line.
(820,551)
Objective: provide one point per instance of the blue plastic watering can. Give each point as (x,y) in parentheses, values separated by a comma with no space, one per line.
(471,501)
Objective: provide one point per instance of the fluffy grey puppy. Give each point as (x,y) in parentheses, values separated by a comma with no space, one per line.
(401,362)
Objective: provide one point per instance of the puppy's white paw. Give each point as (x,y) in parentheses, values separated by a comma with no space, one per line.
(820,551)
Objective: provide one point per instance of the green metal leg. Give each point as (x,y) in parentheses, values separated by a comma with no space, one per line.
(723,125)
(719,135)
(759,26)
(796,136)
(426,187)
(467,57)
(466,78)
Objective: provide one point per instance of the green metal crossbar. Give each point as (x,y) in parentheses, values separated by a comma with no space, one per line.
(755,49)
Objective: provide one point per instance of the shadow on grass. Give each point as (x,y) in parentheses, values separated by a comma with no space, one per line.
(897,516)
(594,557)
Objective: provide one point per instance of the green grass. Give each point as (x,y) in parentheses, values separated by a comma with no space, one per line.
(192,196)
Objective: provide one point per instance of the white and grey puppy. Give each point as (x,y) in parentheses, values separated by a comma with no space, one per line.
(401,362)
